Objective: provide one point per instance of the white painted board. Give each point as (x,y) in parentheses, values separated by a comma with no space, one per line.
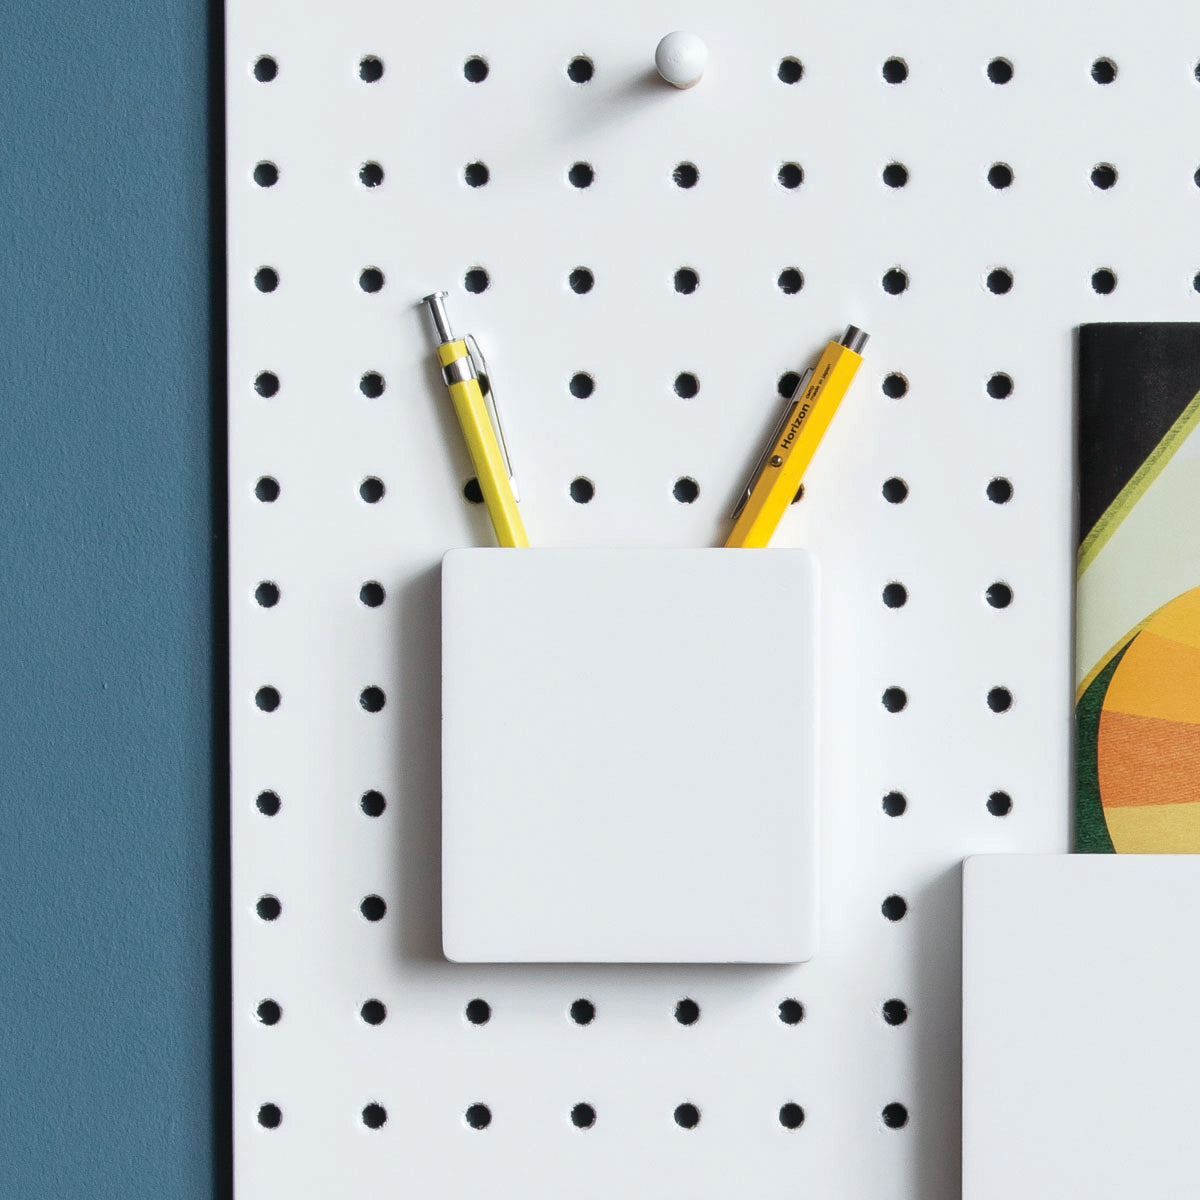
(1081,1048)
(319,436)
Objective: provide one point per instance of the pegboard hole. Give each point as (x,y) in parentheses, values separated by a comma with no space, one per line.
(372,698)
(686,490)
(790,281)
(371,489)
(686,281)
(581,175)
(894,908)
(791,1011)
(895,281)
(1000,70)
(686,175)
(1103,281)
(268,1012)
(476,280)
(1000,175)
(266,174)
(371,593)
(581,385)
(267,489)
(269,1116)
(999,699)
(895,1012)
(687,1011)
(687,1116)
(268,908)
(999,595)
(472,492)
(266,384)
(370,174)
(895,385)
(370,69)
(267,698)
(895,595)
(370,279)
(581,281)
(266,279)
(372,803)
(791,1116)
(475,69)
(580,69)
(374,1116)
(999,386)
(268,803)
(1196,281)
(894,490)
(476,174)
(1104,70)
(798,496)
(790,175)
(373,1012)
(686,385)
(583,1116)
(478,1116)
(894,699)
(787,384)
(895,70)
(1104,175)
(265,68)
(373,907)
(582,490)
(478,1012)
(267,594)
(895,804)
(791,70)
(895,1115)
(895,175)
(999,490)
(999,281)
(583,1012)
(372,385)
(999,804)
(1196,72)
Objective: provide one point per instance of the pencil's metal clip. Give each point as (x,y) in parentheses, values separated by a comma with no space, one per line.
(489,400)
(788,405)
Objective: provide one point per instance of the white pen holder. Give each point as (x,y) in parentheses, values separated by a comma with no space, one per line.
(629,755)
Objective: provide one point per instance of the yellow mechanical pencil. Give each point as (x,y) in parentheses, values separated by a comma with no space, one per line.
(776,478)
(470,387)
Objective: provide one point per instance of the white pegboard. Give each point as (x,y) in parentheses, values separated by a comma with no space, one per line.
(319,436)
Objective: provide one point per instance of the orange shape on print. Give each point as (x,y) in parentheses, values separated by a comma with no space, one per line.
(1144,760)
(1157,677)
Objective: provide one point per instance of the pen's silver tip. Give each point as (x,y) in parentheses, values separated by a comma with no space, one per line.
(437,310)
(854,339)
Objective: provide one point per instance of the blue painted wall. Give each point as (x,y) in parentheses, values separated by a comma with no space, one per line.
(113,976)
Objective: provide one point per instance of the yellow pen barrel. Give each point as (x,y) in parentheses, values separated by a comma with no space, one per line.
(793,449)
(490,468)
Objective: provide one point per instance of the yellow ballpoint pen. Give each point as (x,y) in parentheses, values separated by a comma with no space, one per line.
(470,387)
(775,481)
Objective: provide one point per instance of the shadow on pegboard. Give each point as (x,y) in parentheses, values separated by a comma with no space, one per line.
(419,750)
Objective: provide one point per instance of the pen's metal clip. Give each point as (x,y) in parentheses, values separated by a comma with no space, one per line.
(479,363)
(788,404)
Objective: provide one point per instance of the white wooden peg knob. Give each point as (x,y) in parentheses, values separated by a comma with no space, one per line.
(681,58)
